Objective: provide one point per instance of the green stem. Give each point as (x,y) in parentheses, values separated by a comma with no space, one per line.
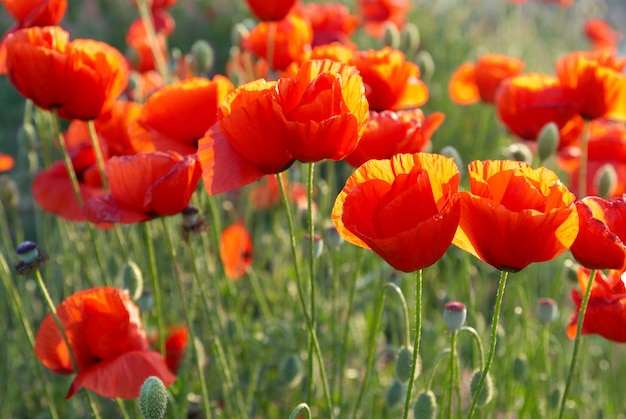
(479,343)
(188,321)
(120,405)
(309,323)
(53,313)
(451,373)
(156,289)
(97,149)
(311,257)
(577,340)
(298,409)
(159,59)
(419,278)
(69,166)
(492,346)
(438,360)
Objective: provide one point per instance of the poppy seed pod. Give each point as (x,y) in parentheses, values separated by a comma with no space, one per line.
(31,258)
(454,315)
(153,399)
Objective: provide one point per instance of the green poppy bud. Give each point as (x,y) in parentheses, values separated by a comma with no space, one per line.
(605,180)
(547,141)
(396,393)
(425,406)
(392,35)
(547,310)
(290,373)
(403,364)
(153,399)
(203,57)
(487,391)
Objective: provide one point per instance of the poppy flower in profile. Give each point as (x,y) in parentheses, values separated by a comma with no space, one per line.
(606,311)
(394,132)
(602,227)
(601,35)
(78,79)
(178,115)
(607,145)
(376,13)
(236,250)
(391,82)
(112,353)
(405,209)
(175,344)
(596,82)
(140,55)
(514,215)
(472,82)
(263,127)
(144,186)
(331,22)
(527,102)
(293,36)
(270,10)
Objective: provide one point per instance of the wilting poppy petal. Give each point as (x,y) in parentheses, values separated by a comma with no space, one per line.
(236,250)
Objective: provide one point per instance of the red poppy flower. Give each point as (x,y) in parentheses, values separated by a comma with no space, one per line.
(597,82)
(388,133)
(265,193)
(159,4)
(7,162)
(391,83)
(236,250)
(264,126)
(515,215)
(112,127)
(331,22)
(335,52)
(144,186)
(29,13)
(606,312)
(405,209)
(292,37)
(111,349)
(270,10)
(473,82)
(607,145)
(376,13)
(175,344)
(601,35)
(179,114)
(602,226)
(77,78)
(527,102)
(141,57)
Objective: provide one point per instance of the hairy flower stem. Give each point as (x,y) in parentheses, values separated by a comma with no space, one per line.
(156,289)
(419,279)
(577,340)
(492,345)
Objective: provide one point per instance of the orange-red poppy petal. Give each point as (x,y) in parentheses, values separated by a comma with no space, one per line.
(236,250)
(7,162)
(462,87)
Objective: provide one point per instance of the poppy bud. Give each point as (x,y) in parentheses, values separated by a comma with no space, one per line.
(290,374)
(425,406)
(403,364)
(203,57)
(487,391)
(153,399)
(410,41)
(547,141)
(520,368)
(146,301)
(332,237)
(519,152)
(132,279)
(392,35)
(426,64)
(318,245)
(238,33)
(27,136)
(547,310)
(31,258)
(555,398)
(454,315)
(9,194)
(192,222)
(396,394)
(605,180)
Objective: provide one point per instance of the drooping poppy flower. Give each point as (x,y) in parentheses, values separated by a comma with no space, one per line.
(270,10)
(602,229)
(144,186)
(391,82)
(527,102)
(606,311)
(376,13)
(236,250)
(514,215)
(597,83)
(601,35)
(331,22)
(264,126)
(292,37)
(405,209)
(111,349)
(394,132)
(78,78)
(472,82)
(607,145)
(179,114)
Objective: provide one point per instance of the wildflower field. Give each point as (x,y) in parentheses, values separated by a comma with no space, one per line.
(299,209)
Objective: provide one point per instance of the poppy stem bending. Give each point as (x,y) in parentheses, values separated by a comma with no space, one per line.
(372,346)
(479,344)
(156,290)
(419,279)
(188,320)
(577,340)
(298,409)
(492,345)
(53,312)
(311,329)
(97,149)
